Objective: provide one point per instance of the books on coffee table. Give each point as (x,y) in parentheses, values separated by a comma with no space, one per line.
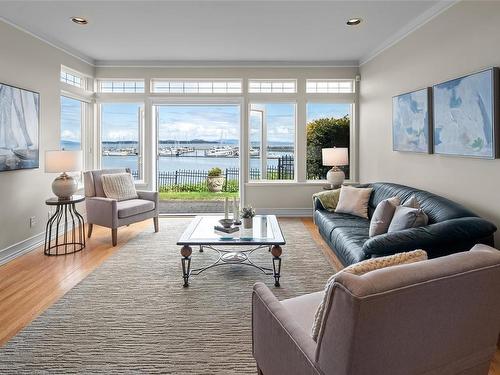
(226,230)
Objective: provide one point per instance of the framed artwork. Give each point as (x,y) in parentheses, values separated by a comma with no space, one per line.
(466,115)
(19,128)
(411,121)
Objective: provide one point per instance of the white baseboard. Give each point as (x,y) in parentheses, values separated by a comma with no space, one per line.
(20,248)
(27,245)
(291,212)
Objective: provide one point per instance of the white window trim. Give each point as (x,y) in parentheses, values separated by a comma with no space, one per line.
(100,80)
(195,94)
(274,100)
(271,80)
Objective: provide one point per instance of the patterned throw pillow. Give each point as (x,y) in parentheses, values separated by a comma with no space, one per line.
(119,186)
(360,269)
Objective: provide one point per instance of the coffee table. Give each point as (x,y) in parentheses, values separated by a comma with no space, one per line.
(266,233)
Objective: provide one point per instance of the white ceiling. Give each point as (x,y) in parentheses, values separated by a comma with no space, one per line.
(237,31)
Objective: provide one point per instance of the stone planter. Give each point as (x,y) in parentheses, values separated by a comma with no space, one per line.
(247,222)
(215,183)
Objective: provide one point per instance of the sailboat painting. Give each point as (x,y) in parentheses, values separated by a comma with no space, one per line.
(19,128)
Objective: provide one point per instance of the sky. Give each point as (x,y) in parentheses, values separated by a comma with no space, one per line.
(185,122)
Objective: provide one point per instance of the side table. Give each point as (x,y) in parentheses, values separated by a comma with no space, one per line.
(66,216)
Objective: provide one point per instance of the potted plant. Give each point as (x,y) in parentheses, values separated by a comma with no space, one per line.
(215,180)
(247,214)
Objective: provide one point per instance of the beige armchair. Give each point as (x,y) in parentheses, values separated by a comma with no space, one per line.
(111,213)
(440,316)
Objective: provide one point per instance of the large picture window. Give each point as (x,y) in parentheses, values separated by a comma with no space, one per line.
(71,124)
(272,141)
(121,137)
(328,125)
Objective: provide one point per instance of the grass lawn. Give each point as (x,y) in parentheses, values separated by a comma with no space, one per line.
(200,196)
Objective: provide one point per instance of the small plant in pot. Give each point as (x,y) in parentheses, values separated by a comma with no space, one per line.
(247,214)
(215,180)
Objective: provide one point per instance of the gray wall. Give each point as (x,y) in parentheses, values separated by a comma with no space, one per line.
(32,64)
(463,39)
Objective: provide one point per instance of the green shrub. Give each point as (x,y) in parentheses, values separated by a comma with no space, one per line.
(215,172)
(325,133)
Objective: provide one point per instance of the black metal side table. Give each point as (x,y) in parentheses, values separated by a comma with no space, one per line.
(67,216)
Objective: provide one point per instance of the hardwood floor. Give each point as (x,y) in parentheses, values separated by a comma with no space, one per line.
(33,282)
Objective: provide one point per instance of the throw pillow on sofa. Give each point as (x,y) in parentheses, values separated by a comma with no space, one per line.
(411,202)
(360,269)
(328,199)
(382,216)
(407,217)
(119,186)
(354,201)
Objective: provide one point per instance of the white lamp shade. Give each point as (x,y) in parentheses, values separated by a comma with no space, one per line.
(63,161)
(335,156)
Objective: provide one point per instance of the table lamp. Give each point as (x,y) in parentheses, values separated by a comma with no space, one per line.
(335,157)
(64,186)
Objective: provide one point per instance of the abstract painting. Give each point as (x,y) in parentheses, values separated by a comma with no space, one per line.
(464,115)
(411,121)
(19,127)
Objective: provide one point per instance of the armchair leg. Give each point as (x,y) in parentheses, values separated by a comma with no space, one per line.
(90,227)
(114,236)
(155,220)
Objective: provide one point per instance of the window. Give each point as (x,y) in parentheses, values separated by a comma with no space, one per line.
(121,136)
(329,86)
(263,86)
(272,141)
(121,86)
(71,123)
(328,125)
(166,86)
(72,79)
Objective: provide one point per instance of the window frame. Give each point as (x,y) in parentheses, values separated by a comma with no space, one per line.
(141,136)
(100,81)
(329,80)
(266,101)
(271,81)
(183,81)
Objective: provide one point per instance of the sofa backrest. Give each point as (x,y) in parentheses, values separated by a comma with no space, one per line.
(436,207)
(93,183)
(440,316)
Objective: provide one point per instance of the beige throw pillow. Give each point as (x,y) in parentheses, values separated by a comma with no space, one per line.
(360,269)
(328,199)
(119,186)
(354,201)
(382,216)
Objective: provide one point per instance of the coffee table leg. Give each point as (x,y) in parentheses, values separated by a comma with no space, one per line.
(186,252)
(276,252)
(201,248)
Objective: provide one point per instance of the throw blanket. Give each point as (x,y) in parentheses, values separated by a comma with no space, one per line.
(328,198)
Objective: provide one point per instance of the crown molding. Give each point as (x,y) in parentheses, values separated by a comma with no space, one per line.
(409,28)
(67,50)
(224,64)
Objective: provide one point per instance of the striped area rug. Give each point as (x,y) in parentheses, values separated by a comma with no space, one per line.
(132,315)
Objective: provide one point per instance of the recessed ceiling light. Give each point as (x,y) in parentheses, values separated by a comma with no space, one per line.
(354,21)
(79,20)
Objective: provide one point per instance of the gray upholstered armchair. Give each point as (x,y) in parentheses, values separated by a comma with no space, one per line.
(111,213)
(440,316)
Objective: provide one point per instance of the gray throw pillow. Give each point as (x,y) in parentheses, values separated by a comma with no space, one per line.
(382,216)
(412,202)
(407,217)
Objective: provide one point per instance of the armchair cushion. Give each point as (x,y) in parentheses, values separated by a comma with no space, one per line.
(134,207)
(303,308)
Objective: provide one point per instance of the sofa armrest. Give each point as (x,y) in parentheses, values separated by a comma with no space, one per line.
(317,205)
(463,232)
(279,344)
(152,196)
(102,211)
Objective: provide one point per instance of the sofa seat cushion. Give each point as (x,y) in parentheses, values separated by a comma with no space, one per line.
(348,243)
(327,221)
(303,308)
(134,207)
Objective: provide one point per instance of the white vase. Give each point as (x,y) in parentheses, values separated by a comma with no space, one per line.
(247,222)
